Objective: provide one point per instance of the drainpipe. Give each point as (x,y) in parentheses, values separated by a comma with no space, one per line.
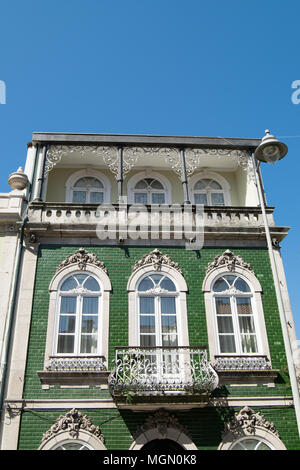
(4,365)
(11,313)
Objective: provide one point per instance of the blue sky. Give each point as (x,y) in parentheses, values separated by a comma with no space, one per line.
(218,68)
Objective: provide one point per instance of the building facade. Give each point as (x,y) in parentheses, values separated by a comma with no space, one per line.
(145,314)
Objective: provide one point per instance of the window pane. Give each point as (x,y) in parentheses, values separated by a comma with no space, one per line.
(147,324)
(146,304)
(155,184)
(88,344)
(220,285)
(250,444)
(88,182)
(244,305)
(202,184)
(246,324)
(158,198)
(223,305)
(79,196)
(140,198)
(168,324)
(262,446)
(249,344)
(65,344)
(217,199)
(156,278)
(227,344)
(92,285)
(81,278)
(89,324)
(96,198)
(68,304)
(146,284)
(66,324)
(214,185)
(168,305)
(141,185)
(169,340)
(200,199)
(241,285)
(168,285)
(72,446)
(147,340)
(90,305)
(230,279)
(69,284)
(225,325)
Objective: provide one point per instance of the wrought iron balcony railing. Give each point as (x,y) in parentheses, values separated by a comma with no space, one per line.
(242,363)
(162,369)
(76,363)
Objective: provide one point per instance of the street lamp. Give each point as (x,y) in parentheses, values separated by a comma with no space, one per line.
(270,150)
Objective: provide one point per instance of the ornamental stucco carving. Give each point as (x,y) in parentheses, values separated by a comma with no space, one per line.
(229,261)
(156,259)
(248,422)
(82,257)
(162,420)
(73,422)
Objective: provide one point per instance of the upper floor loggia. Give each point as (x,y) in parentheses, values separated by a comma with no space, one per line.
(70,175)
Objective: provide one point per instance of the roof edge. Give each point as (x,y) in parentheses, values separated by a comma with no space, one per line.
(137,139)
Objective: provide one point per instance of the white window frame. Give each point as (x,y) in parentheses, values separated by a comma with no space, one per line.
(157,310)
(132,182)
(235,319)
(262,434)
(54,286)
(63,437)
(88,172)
(181,308)
(211,176)
(78,314)
(260,325)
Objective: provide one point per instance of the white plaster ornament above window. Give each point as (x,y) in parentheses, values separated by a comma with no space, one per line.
(73,427)
(249,430)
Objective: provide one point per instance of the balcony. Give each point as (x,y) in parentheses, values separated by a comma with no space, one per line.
(132,222)
(155,371)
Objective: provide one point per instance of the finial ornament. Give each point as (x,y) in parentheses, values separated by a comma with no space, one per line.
(229,261)
(73,422)
(248,422)
(156,259)
(82,257)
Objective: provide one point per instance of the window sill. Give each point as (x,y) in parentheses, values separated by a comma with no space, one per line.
(74,370)
(248,370)
(83,377)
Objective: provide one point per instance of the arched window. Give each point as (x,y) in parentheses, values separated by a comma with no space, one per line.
(149,191)
(73,445)
(250,443)
(157,311)
(235,321)
(249,430)
(149,187)
(210,189)
(73,431)
(157,303)
(88,186)
(78,316)
(209,193)
(88,190)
